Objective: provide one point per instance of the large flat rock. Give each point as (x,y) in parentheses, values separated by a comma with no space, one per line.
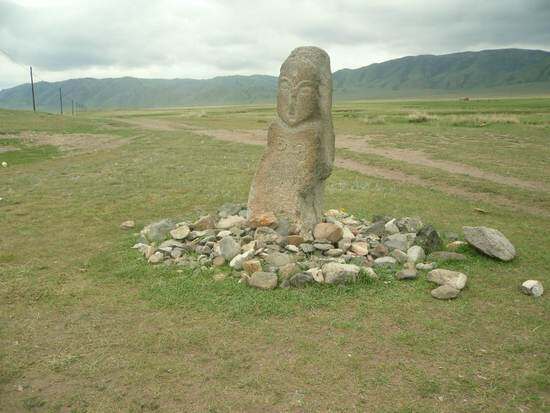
(490,241)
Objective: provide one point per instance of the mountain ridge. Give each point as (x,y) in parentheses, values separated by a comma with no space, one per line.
(499,71)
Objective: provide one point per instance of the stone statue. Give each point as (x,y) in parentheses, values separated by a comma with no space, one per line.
(289,182)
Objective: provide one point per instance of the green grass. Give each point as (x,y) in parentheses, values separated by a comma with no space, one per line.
(26,153)
(86,325)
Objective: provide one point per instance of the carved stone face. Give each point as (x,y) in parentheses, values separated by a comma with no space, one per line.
(297,96)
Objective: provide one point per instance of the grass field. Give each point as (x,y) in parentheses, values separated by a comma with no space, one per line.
(87,326)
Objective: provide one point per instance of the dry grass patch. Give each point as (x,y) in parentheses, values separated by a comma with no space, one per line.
(483,120)
(420,117)
(374,120)
(81,142)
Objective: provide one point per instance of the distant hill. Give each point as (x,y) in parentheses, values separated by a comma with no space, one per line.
(503,70)
(488,72)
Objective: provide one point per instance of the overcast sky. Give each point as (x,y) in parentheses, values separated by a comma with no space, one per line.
(204,38)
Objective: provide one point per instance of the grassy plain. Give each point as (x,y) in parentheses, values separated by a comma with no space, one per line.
(86,326)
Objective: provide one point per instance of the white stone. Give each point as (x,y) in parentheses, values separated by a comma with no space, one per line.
(532,287)
(237,261)
(292,248)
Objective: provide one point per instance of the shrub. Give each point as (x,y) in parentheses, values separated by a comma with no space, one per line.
(420,117)
(374,120)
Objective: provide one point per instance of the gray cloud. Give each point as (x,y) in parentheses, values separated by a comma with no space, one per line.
(194,38)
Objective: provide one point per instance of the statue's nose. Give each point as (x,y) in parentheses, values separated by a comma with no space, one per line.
(291,103)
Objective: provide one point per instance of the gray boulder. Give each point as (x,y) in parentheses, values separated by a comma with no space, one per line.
(445,292)
(229,248)
(263,280)
(447,277)
(336,273)
(409,224)
(390,227)
(490,242)
(323,247)
(428,238)
(307,248)
(278,259)
(334,252)
(416,253)
(229,209)
(385,262)
(377,228)
(158,231)
(396,242)
(301,279)
(266,235)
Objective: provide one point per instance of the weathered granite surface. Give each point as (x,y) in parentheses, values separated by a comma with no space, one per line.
(289,181)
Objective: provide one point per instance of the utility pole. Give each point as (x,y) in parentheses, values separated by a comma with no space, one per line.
(60,101)
(32,89)
(72,107)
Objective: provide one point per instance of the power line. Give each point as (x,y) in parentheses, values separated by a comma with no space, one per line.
(75,105)
(60,102)
(32,89)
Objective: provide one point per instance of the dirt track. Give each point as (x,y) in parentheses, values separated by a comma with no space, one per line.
(361,145)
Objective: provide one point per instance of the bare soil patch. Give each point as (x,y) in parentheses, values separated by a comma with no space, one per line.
(153,123)
(81,142)
(255,136)
(361,144)
(258,137)
(399,176)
